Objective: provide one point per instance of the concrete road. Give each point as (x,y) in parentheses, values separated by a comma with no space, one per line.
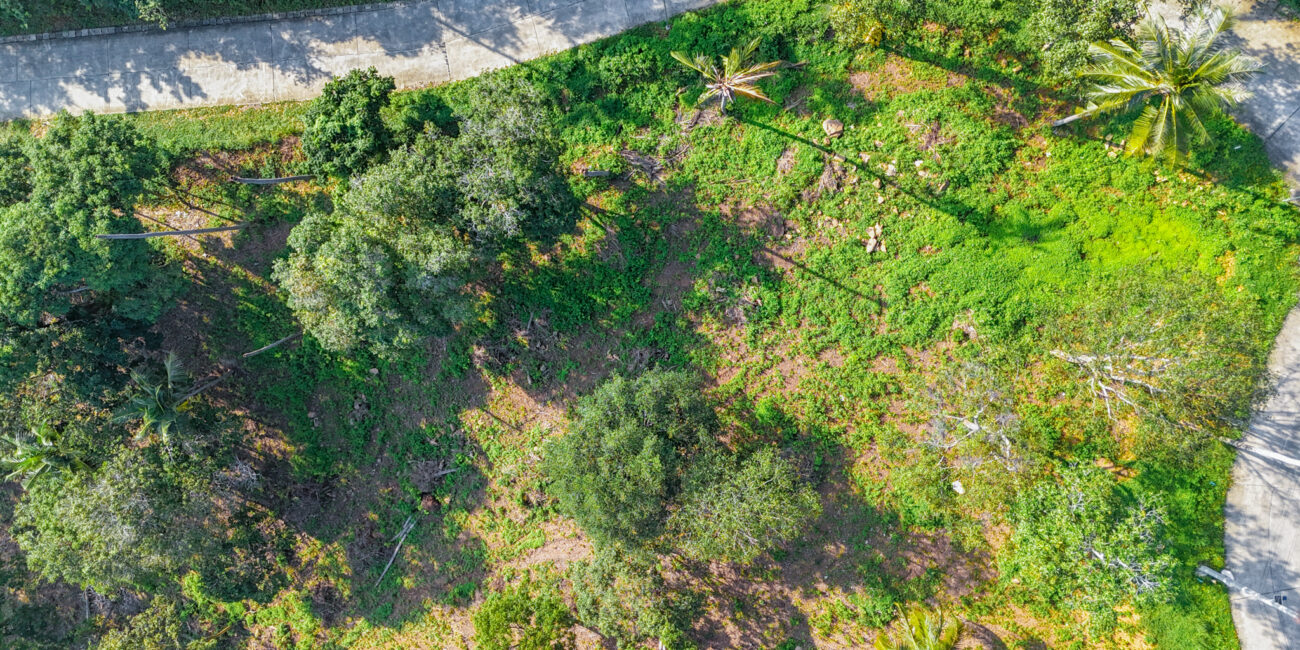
(1262,531)
(278,58)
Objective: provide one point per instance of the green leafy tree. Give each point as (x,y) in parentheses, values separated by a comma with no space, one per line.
(15,170)
(371,279)
(389,266)
(93,162)
(1062,30)
(624,597)
(503,164)
(343,130)
(527,616)
(620,466)
(135,522)
(859,23)
(733,512)
(1078,543)
(1177,78)
(38,454)
(736,76)
(922,629)
(87,174)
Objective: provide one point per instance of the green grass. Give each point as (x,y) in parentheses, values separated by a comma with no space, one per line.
(221,128)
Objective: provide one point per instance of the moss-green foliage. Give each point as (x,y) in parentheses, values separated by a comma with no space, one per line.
(527,616)
(343,131)
(15,169)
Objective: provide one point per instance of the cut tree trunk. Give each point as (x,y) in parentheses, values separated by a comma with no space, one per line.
(270,181)
(171,233)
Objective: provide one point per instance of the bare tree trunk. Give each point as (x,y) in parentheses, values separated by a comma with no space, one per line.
(1072,118)
(172,233)
(270,181)
(268,347)
(1232,585)
(407,527)
(1249,448)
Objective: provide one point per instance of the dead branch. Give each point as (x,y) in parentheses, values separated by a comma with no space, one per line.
(400,537)
(264,348)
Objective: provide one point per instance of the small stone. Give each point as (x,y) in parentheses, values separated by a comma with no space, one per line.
(891,170)
(833,127)
(866,157)
(875,182)
(958,487)
(879,199)
(878,143)
(918,163)
(374,371)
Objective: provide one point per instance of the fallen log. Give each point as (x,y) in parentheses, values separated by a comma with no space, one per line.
(271,181)
(171,233)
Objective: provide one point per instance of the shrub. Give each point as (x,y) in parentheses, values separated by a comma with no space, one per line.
(624,597)
(619,468)
(343,130)
(15,168)
(527,616)
(733,512)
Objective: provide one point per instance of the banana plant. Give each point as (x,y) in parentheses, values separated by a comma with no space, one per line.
(735,77)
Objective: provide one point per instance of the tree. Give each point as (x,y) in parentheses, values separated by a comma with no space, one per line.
(357,279)
(527,616)
(15,170)
(135,522)
(733,512)
(503,163)
(624,597)
(1177,78)
(343,130)
(38,454)
(93,162)
(159,402)
(859,23)
(620,466)
(87,174)
(390,264)
(1179,353)
(735,77)
(1079,544)
(1062,30)
(922,630)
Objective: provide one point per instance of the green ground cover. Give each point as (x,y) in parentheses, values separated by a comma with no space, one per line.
(737,247)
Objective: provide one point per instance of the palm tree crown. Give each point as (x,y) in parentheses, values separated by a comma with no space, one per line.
(35,455)
(1177,76)
(736,77)
(157,403)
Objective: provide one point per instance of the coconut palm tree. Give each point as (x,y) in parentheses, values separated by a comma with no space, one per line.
(922,630)
(735,77)
(37,454)
(1177,77)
